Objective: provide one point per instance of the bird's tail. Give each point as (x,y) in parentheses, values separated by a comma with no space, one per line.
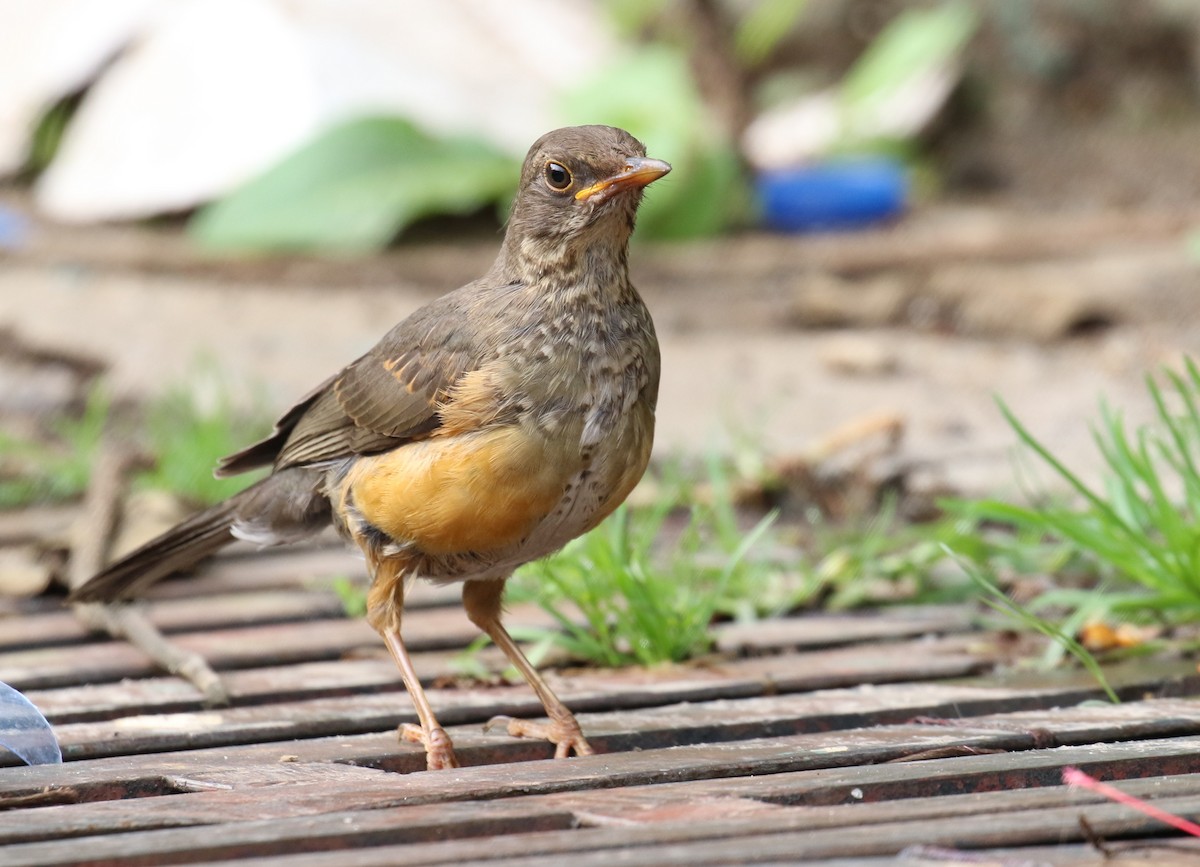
(284,507)
(182,546)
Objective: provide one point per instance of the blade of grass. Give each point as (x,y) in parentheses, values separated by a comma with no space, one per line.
(1000,601)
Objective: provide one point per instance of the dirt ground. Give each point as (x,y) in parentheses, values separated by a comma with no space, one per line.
(1050,294)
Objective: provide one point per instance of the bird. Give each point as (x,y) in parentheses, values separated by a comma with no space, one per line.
(482,432)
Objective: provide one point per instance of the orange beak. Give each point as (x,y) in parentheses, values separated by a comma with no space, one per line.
(638,172)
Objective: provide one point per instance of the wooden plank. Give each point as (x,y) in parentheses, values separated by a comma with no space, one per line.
(1148,851)
(389,825)
(847,749)
(260,792)
(453,821)
(666,725)
(242,568)
(156,733)
(475,783)
(1072,726)
(49,674)
(304,566)
(360,713)
(245,686)
(832,630)
(754,751)
(977,775)
(258,607)
(584,688)
(291,568)
(762,840)
(694,830)
(62,627)
(824,711)
(1032,827)
(340,714)
(109,698)
(820,711)
(639,805)
(937,772)
(653,726)
(42,668)
(883,662)
(259,645)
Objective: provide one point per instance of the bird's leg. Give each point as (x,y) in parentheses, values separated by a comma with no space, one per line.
(384,604)
(481,599)
(439,749)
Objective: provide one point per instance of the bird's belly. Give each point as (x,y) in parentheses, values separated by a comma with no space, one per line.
(479,505)
(465,494)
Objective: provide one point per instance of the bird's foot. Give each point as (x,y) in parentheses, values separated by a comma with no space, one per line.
(439,749)
(565,734)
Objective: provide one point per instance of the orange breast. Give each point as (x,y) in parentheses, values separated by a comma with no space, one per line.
(472,492)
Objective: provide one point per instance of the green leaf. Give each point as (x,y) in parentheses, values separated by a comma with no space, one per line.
(631,16)
(914,44)
(354,187)
(1192,244)
(766,23)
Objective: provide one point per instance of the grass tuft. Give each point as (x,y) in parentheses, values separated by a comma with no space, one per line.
(619,601)
(998,600)
(56,468)
(1139,531)
(187,430)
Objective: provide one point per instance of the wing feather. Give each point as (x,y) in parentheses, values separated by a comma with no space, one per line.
(389,396)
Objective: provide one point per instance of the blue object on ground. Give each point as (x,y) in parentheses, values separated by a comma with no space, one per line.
(841,194)
(14,229)
(24,731)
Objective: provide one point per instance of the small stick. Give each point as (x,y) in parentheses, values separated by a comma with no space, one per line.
(122,621)
(88,554)
(1094,840)
(1075,777)
(101,508)
(857,430)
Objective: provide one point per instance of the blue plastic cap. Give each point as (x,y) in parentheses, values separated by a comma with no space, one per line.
(842,194)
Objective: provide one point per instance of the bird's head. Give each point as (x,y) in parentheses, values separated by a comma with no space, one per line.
(580,187)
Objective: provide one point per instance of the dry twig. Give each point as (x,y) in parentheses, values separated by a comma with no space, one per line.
(89,552)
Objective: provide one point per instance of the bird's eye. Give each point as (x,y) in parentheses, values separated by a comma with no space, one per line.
(557,176)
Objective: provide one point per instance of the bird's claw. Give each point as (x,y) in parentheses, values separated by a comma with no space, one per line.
(566,735)
(439,749)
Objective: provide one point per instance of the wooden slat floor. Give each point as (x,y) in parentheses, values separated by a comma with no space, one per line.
(844,739)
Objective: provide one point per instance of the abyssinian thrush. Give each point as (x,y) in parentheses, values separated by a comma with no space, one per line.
(486,430)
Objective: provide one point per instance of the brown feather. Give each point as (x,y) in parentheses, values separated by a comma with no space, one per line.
(290,505)
(264,452)
(179,548)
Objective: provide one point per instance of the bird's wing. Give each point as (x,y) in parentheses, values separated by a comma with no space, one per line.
(388,396)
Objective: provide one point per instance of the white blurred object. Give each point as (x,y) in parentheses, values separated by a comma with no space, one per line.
(893,90)
(50,48)
(807,128)
(215,91)
(795,132)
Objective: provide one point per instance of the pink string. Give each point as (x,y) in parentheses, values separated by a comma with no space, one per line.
(1076,777)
